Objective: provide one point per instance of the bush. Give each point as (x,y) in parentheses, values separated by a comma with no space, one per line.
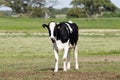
(111,14)
(5,13)
(75,13)
(37,12)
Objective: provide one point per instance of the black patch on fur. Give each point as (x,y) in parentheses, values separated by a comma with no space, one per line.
(62,32)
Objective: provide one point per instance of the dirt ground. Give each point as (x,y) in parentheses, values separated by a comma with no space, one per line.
(69,75)
(50,75)
(100,58)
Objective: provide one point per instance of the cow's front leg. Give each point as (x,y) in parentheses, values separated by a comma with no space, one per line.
(56,59)
(68,60)
(66,50)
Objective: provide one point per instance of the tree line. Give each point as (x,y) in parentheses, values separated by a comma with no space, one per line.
(40,8)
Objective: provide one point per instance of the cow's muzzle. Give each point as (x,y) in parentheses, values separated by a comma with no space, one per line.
(53,40)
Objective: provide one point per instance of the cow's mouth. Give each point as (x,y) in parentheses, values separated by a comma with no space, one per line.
(53,40)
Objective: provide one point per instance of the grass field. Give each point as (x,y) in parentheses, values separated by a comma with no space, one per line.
(34,24)
(30,57)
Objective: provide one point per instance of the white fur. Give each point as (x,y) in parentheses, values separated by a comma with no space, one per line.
(52,26)
(70,21)
(60,45)
(69,27)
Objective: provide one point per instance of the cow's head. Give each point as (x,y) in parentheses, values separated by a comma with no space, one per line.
(51,29)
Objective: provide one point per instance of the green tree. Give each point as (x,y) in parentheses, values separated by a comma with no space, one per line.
(39,3)
(21,6)
(93,7)
(33,8)
(75,13)
(4,2)
(37,12)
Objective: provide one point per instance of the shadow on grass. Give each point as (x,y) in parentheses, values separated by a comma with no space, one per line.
(50,69)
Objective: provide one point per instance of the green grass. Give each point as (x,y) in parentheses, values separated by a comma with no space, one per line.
(31,45)
(98,23)
(19,24)
(35,24)
(33,53)
(99,45)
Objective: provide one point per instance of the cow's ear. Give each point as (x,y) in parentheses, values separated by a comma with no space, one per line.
(57,25)
(45,25)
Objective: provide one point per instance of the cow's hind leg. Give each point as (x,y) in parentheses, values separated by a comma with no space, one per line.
(76,57)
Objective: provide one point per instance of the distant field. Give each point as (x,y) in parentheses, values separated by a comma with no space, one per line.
(34,24)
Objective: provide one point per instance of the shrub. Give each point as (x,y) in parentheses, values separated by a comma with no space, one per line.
(76,13)
(111,14)
(37,12)
(5,13)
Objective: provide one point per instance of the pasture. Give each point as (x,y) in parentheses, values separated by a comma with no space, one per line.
(31,58)
(26,51)
(34,24)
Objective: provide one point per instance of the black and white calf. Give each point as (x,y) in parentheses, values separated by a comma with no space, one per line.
(64,36)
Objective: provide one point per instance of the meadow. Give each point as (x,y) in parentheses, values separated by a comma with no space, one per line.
(30,57)
(35,24)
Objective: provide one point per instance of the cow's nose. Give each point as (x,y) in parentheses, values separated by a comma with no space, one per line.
(53,40)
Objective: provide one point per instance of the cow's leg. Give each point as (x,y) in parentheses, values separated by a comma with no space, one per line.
(76,57)
(56,59)
(65,58)
(68,60)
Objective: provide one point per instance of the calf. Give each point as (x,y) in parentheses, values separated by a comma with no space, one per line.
(64,36)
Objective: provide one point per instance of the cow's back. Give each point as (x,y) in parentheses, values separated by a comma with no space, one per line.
(74,34)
